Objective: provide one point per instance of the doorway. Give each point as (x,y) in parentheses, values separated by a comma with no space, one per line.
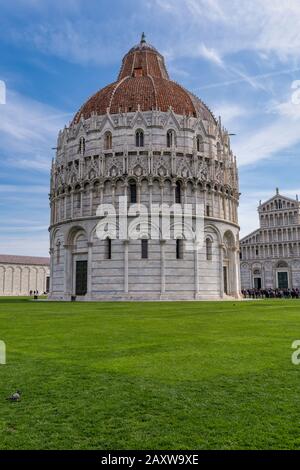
(81,278)
(257,283)
(283,280)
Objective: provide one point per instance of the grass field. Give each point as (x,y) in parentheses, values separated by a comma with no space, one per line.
(195,375)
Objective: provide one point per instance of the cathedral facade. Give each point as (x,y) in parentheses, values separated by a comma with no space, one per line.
(270,256)
(146,138)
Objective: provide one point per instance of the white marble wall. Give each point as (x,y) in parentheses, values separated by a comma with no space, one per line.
(81,181)
(127,276)
(17,279)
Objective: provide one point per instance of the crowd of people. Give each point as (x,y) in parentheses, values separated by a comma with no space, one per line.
(33,292)
(271,293)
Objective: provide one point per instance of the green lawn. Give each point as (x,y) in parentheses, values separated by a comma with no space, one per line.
(194,375)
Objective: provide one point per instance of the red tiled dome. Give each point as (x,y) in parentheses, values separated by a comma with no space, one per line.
(143,83)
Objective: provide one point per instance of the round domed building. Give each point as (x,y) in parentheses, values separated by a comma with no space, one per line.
(145,140)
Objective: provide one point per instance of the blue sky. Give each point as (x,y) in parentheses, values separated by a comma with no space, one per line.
(240,57)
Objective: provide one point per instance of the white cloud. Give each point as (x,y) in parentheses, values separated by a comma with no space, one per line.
(229,112)
(254,80)
(33,245)
(210,54)
(28,131)
(277,135)
(229,26)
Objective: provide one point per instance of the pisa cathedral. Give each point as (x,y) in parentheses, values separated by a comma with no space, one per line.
(270,256)
(149,139)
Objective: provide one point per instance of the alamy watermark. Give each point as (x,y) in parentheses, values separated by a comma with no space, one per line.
(2,92)
(159,222)
(2,353)
(296,354)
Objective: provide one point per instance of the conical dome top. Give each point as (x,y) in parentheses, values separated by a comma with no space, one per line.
(143,83)
(143,60)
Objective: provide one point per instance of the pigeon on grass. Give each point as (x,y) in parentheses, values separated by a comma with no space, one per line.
(15,396)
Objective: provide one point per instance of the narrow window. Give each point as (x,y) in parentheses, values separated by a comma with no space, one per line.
(132,188)
(108,248)
(139,138)
(208,211)
(178,193)
(144,245)
(107,141)
(199,143)
(208,249)
(179,248)
(171,138)
(81,146)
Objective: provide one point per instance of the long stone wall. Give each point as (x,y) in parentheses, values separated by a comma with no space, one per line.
(18,279)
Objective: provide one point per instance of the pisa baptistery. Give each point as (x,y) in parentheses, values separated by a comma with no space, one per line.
(148,142)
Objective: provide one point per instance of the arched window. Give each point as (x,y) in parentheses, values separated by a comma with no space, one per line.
(171,138)
(282,264)
(179,248)
(139,138)
(178,193)
(108,248)
(199,143)
(132,192)
(144,248)
(81,146)
(208,249)
(107,140)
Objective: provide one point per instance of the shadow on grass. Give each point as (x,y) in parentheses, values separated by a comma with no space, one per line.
(18,300)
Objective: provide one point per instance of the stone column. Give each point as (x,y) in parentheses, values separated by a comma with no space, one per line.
(126,243)
(113,193)
(68,272)
(89,270)
(229,209)
(91,201)
(184,188)
(236,271)
(221,247)
(55,209)
(219,205)
(101,189)
(196,269)
(72,204)
(51,253)
(150,186)
(138,190)
(161,187)
(65,206)
(81,202)
(162,267)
